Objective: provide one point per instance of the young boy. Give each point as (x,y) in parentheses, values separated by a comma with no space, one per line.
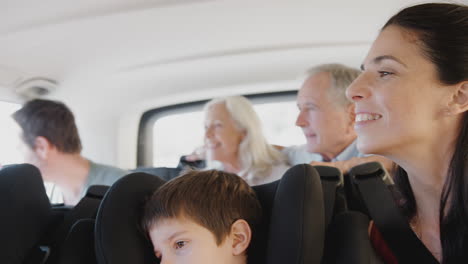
(202,217)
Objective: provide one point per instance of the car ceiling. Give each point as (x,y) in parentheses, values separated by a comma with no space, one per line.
(149,52)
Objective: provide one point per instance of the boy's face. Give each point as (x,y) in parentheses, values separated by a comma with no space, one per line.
(180,240)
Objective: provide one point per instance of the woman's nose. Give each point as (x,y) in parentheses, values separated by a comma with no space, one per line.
(357,90)
(208,132)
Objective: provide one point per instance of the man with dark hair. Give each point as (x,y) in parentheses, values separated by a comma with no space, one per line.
(52,144)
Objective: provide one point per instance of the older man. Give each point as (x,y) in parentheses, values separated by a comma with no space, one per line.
(327,120)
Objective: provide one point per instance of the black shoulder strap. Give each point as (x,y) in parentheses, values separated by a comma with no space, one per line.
(331,179)
(387,217)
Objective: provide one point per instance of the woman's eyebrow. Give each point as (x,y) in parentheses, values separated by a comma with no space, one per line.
(379,59)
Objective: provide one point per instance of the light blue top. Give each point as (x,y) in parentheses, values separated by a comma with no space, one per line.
(99,174)
(299,154)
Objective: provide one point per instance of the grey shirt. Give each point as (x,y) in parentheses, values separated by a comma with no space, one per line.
(99,174)
(299,154)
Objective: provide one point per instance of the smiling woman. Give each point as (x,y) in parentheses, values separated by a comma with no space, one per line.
(234,137)
(415,85)
(164,125)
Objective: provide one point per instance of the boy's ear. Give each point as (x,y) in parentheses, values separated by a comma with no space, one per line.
(42,147)
(241,235)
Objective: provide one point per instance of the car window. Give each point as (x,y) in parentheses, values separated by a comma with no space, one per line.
(9,139)
(180,133)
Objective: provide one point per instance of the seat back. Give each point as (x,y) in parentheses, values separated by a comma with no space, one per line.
(333,193)
(291,231)
(348,242)
(117,235)
(164,173)
(61,238)
(78,247)
(297,221)
(369,197)
(26,214)
(380,206)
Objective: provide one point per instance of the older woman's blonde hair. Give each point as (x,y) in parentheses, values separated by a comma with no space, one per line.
(256,156)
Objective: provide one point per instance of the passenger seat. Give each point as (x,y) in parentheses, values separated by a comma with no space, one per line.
(347,240)
(292,229)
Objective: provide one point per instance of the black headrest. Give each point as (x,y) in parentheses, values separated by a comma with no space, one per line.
(97,191)
(164,173)
(117,236)
(26,212)
(297,219)
(292,228)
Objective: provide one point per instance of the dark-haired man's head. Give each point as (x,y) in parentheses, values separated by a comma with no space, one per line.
(47,126)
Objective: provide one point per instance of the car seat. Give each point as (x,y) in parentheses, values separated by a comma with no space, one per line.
(377,201)
(291,231)
(164,173)
(72,241)
(26,214)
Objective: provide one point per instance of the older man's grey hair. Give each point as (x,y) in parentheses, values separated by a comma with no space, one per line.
(341,77)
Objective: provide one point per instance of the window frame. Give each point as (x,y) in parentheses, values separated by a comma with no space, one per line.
(150,117)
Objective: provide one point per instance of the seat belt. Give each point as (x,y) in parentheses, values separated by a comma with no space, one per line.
(387,217)
(331,179)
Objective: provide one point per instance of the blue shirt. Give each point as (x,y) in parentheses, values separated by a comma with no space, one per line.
(299,154)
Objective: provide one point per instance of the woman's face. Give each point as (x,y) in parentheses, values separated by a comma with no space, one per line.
(222,137)
(399,101)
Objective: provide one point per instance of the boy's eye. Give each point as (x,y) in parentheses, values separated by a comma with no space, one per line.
(180,244)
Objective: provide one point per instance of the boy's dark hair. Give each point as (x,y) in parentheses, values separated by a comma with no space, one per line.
(52,120)
(212,199)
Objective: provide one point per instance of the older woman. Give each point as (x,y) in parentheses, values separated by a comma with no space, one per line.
(233,137)
(412,107)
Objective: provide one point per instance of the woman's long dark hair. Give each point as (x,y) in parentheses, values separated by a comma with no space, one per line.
(443,33)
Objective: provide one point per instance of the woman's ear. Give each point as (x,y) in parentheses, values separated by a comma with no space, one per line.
(241,234)
(459,102)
